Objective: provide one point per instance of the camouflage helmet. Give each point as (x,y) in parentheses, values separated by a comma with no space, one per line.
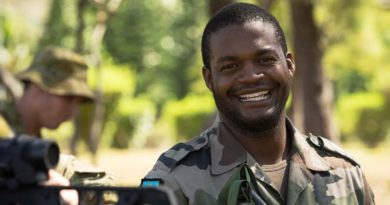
(59,72)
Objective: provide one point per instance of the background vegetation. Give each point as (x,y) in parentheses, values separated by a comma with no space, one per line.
(146,65)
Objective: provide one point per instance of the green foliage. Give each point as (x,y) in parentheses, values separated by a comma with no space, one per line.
(372,126)
(60,25)
(345,70)
(114,78)
(380,67)
(61,134)
(120,116)
(131,123)
(350,66)
(161,48)
(282,13)
(189,115)
(152,84)
(341,21)
(16,39)
(357,62)
(349,111)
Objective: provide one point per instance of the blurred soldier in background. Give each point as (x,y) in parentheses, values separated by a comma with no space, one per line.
(45,95)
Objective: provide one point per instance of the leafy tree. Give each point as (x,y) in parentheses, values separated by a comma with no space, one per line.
(59,25)
(162,48)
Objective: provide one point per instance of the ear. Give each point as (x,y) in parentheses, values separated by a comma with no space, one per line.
(207,77)
(290,64)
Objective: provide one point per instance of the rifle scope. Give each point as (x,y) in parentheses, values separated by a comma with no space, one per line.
(25,160)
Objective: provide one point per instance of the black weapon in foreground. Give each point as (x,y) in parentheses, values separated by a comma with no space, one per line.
(25,161)
(24,164)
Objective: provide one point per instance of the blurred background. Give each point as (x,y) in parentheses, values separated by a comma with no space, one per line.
(145,67)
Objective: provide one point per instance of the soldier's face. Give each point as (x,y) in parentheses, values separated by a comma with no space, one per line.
(250,76)
(58,109)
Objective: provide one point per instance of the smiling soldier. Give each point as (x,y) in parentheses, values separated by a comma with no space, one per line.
(249,70)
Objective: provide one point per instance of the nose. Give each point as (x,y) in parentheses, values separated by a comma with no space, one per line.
(250,73)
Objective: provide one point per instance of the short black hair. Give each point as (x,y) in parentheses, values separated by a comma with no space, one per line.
(238,13)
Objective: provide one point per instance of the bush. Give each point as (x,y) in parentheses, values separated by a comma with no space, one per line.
(190,115)
(191,125)
(125,127)
(133,123)
(362,115)
(372,126)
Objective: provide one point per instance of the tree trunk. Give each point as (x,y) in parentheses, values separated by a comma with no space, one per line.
(266,4)
(82,121)
(81,6)
(215,5)
(105,11)
(94,126)
(97,122)
(311,105)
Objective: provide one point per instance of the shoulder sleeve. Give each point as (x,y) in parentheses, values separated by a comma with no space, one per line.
(79,173)
(171,158)
(329,146)
(365,192)
(369,198)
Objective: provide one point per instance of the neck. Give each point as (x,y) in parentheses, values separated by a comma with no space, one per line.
(267,147)
(27,117)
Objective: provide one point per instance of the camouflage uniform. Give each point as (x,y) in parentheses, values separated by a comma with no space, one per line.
(59,72)
(75,171)
(320,172)
(9,119)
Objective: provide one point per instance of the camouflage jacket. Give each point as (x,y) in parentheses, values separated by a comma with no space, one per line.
(10,123)
(320,172)
(78,173)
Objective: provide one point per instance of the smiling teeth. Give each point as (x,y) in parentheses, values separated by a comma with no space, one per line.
(253,97)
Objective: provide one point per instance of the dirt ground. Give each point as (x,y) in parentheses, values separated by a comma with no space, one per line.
(128,167)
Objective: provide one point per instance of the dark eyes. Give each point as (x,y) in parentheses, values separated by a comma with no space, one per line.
(267,60)
(262,61)
(229,66)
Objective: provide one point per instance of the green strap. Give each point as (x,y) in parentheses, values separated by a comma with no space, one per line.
(235,190)
(239,187)
(243,187)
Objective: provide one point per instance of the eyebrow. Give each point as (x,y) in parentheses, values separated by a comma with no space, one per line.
(259,52)
(265,51)
(226,58)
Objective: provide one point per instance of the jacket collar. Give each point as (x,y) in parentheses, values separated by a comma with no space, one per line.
(227,153)
(303,153)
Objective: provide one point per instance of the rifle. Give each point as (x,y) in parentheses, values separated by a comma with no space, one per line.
(24,165)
